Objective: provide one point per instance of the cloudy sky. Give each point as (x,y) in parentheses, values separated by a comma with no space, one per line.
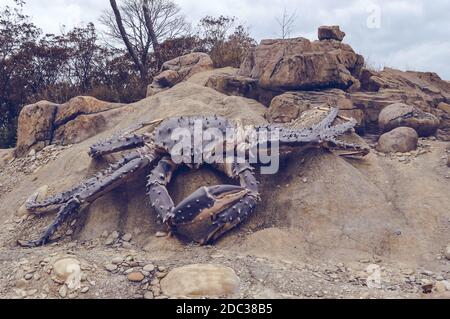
(406,34)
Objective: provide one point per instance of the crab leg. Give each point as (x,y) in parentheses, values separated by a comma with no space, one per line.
(90,191)
(239,212)
(157,188)
(210,212)
(347,149)
(123,140)
(116,145)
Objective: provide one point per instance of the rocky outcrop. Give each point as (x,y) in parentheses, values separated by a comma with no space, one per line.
(299,64)
(399,114)
(331,33)
(35,127)
(46,123)
(178,70)
(424,90)
(278,66)
(399,140)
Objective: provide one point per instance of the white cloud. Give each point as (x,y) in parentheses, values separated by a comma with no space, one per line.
(413,33)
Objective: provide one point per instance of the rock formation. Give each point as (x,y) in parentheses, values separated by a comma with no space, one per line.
(178,70)
(46,123)
(331,33)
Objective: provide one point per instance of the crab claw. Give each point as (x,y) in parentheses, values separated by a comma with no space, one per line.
(195,215)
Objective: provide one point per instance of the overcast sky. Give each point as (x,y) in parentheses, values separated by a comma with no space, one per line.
(406,34)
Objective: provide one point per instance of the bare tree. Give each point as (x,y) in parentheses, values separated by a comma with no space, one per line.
(286,23)
(141,25)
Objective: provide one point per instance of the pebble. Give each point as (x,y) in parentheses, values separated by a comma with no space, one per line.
(149,268)
(28,276)
(427,273)
(111,267)
(127,237)
(32,292)
(136,277)
(447,252)
(408,272)
(149,295)
(160,234)
(427,286)
(117,261)
(84,290)
(63,291)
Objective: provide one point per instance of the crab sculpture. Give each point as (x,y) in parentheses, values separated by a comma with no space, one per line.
(210,212)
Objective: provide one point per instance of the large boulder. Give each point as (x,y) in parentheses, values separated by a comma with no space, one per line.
(299,64)
(35,128)
(178,70)
(399,114)
(331,33)
(201,281)
(399,140)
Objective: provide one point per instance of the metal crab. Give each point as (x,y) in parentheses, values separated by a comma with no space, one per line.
(210,212)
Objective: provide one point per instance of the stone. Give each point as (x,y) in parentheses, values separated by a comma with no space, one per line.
(399,140)
(403,115)
(441,287)
(447,252)
(136,277)
(117,260)
(111,267)
(68,270)
(161,234)
(149,268)
(149,295)
(299,64)
(127,237)
(331,33)
(28,276)
(63,291)
(178,70)
(427,286)
(200,281)
(35,127)
(84,290)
